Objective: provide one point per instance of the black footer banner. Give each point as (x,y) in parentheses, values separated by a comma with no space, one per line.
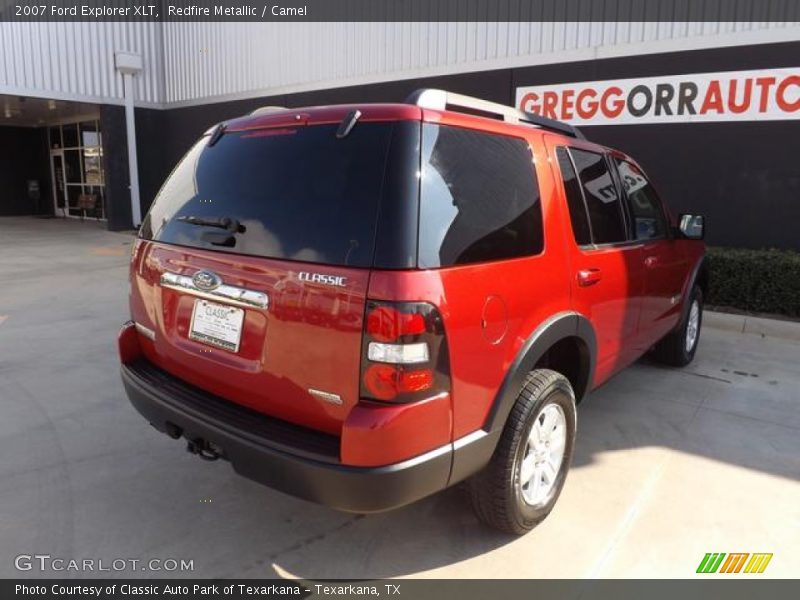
(232,589)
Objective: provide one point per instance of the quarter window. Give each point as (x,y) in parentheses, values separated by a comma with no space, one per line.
(602,200)
(648,215)
(479,198)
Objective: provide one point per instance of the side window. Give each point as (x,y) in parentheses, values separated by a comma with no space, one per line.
(479,198)
(572,188)
(648,216)
(602,200)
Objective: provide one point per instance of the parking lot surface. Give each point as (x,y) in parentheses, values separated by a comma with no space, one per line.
(670,464)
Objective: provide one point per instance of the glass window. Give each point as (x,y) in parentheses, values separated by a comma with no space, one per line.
(73,199)
(480,198)
(70,133)
(96,192)
(648,216)
(55,137)
(602,199)
(92,167)
(298,193)
(72,160)
(90,135)
(577,209)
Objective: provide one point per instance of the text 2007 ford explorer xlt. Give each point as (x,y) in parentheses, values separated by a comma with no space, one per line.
(363,305)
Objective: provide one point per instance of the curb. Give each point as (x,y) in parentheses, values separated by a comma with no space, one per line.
(768,328)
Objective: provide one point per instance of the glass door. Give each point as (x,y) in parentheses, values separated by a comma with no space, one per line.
(59,183)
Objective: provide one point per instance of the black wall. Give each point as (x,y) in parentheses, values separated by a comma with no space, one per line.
(745,177)
(115,165)
(24,156)
(156,151)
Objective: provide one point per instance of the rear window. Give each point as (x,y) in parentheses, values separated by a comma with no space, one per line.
(295,193)
(479,198)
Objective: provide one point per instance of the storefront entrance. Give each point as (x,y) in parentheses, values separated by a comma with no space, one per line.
(76,167)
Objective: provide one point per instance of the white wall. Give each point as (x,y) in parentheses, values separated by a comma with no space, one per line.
(239,60)
(190,63)
(75,61)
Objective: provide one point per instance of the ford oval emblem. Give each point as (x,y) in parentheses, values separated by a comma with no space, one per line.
(206,280)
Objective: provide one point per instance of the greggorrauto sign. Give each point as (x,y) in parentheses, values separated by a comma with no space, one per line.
(766,94)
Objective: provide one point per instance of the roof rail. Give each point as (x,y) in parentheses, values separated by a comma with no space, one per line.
(262,110)
(441,99)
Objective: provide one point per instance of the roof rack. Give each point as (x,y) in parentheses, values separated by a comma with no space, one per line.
(441,99)
(262,110)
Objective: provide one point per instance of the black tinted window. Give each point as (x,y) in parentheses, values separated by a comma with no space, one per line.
(602,199)
(648,217)
(298,193)
(577,209)
(480,198)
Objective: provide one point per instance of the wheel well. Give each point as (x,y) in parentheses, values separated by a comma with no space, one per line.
(570,357)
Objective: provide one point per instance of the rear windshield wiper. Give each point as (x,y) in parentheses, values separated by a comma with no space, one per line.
(226,223)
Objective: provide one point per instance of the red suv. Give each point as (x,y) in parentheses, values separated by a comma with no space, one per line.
(363,305)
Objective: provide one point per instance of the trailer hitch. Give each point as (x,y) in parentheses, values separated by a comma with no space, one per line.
(203,449)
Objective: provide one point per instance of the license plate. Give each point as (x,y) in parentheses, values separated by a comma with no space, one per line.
(217,325)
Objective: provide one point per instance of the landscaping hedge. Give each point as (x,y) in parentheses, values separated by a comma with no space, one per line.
(762,281)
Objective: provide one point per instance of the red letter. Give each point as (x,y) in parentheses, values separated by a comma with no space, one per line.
(713,100)
(764,83)
(748,88)
(549,103)
(615,109)
(567,104)
(586,110)
(780,95)
(529,103)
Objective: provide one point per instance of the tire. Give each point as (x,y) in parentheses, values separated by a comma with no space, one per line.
(499,495)
(678,348)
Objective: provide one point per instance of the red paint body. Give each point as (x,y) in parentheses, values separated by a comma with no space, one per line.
(310,336)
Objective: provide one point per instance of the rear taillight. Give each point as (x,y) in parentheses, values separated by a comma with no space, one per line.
(404,352)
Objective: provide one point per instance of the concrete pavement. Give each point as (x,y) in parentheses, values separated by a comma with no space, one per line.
(670,464)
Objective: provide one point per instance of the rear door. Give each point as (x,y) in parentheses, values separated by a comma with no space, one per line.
(255,266)
(665,264)
(608,274)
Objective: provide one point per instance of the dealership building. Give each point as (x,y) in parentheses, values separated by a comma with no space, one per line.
(94,115)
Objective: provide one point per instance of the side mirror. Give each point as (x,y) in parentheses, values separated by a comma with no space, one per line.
(691,226)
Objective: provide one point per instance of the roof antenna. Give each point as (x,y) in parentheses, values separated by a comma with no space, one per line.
(218,132)
(347,124)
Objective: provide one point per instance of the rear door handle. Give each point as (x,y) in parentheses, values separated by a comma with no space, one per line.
(587,277)
(650,261)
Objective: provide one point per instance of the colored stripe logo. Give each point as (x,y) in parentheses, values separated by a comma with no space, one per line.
(735,562)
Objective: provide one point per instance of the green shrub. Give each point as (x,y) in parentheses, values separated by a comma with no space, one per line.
(763,281)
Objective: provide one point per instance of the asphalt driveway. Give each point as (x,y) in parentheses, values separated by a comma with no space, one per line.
(670,464)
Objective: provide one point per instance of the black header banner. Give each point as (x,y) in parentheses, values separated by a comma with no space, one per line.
(400,10)
(479,589)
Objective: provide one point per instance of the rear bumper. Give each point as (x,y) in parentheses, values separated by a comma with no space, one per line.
(270,454)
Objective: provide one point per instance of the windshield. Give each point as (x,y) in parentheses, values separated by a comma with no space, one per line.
(294,193)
